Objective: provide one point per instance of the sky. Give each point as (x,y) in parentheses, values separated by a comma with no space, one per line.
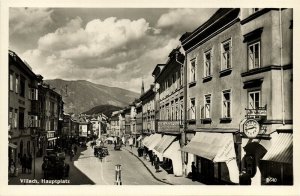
(117,47)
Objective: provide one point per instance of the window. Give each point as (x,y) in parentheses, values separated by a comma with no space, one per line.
(33,94)
(207,64)
(226,108)
(193,71)
(254,99)
(10,117)
(22,86)
(17,84)
(192,109)
(226,55)
(254,55)
(207,106)
(16,119)
(21,119)
(11,81)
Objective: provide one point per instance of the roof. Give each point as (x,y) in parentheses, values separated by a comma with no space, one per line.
(220,18)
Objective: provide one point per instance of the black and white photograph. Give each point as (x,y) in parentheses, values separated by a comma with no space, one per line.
(135,96)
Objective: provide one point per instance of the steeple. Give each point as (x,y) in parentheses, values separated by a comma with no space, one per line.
(142,89)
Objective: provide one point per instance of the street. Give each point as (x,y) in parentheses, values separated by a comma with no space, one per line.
(103,173)
(88,169)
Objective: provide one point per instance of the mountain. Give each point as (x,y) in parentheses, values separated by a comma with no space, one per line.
(81,95)
(105,109)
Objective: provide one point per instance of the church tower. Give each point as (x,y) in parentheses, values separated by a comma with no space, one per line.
(142,89)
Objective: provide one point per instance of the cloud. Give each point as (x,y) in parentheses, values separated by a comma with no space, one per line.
(29,20)
(182,20)
(110,51)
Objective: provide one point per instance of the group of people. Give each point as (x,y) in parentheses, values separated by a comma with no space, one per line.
(26,163)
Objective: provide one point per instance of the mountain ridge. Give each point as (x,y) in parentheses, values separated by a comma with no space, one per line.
(81,95)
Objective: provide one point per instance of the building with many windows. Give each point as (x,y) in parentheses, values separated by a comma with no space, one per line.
(169,106)
(51,107)
(23,109)
(238,78)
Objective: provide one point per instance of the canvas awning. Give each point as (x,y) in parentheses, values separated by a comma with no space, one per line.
(173,153)
(52,138)
(281,148)
(218,147)
(12,145)
(164,143)
(146,140)
(139,138)
(155,139)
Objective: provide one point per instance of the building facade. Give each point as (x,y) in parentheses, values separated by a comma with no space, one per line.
(169,106)
(23,110)
(234,99)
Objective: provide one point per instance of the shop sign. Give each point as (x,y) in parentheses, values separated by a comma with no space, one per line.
(168,126)
(257,112)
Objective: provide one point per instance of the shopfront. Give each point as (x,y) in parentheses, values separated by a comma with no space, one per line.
(215,157)
(277,163)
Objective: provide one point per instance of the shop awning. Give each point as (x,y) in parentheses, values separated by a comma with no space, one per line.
(146,140)
(52,138)
(139,138)
(281,149)
(155,139)
(164,143)
(12,145)
(173,153)
(218,147)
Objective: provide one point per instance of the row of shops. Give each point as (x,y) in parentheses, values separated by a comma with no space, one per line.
(224,158)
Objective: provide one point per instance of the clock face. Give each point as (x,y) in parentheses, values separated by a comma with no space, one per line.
(251,128)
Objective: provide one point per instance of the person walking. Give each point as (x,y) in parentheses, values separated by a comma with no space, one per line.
(29,161)
(71,155)
(156,160)
(194,171)
(23,163)
(75,149)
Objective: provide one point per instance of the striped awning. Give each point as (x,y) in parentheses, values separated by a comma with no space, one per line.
(164,143)
(146,140)
(155,139)
(218,147)
(281,149)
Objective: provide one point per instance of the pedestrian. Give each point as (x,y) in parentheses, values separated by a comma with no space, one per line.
(71,155)
(194,171)
(156,160)
(45,168)
(12,167)
(29,161)
(23,163)
(75,149)
(151,158)
(245,178)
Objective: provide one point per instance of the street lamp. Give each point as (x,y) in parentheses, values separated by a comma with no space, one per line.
(118,175)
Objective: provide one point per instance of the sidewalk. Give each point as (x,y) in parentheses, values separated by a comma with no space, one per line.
(75,176)
(162,176)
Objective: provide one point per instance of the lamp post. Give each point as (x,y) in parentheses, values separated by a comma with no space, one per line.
(118,175)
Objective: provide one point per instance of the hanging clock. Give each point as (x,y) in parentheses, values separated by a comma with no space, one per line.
(251,128)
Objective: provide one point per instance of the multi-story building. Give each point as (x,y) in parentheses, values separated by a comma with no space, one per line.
(170,102)
(51,106)
(127,120)
(267,81)
(148,110)
(139,123)
(23,110)
(238,79)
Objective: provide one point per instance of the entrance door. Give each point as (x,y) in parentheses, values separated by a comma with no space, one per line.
(207,170)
